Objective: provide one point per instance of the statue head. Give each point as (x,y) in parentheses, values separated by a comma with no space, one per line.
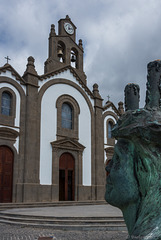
(122,187)
(134,180)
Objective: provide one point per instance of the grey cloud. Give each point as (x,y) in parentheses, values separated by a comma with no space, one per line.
(119,37)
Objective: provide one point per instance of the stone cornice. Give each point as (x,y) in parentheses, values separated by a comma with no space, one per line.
(8,133)
(8,67)
(68,144)
(63,69)
(110,104)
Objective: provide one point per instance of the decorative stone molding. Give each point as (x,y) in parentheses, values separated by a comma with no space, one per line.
(75,149)
(109,154)
(64,132)
(110,104)
(72,70)
(4,119)
(8,133)
(67,144)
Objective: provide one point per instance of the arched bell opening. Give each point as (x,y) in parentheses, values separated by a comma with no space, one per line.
(74,58)
(61,51)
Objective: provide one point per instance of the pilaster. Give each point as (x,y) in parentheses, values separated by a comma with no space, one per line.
(99,145)
(52,44)
(31,165)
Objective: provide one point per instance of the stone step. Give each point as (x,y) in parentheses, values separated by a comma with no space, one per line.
(70,227)
(65,217)
(78,227)
(15,215)
(61,221)
(65,223)
(49,204)
(108,224)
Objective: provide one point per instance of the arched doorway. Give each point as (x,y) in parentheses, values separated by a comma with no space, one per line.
(66,177)
(6,174)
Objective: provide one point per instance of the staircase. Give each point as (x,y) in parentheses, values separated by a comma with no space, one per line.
(62,222)
(4,206)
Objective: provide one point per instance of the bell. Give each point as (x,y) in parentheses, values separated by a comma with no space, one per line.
(60,53)
(73,59)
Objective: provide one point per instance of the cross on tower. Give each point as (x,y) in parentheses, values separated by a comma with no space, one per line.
(108,97)
(7,58)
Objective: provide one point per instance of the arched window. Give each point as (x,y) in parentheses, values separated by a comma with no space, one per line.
(110,126)
(6,104)
(66,116)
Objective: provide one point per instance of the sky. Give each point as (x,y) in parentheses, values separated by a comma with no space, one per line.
(120,37)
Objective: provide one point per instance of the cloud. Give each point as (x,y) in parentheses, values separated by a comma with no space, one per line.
(119,52)
(119,38)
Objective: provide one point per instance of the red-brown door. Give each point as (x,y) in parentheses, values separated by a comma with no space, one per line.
(66,177)
(6,174)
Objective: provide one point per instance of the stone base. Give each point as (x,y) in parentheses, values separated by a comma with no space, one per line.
(18,196)
(50,193)
(30,192)
(100,192)
(26,192)
(84,193)
(45,193)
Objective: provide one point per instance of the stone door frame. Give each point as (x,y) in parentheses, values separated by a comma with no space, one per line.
(76,150)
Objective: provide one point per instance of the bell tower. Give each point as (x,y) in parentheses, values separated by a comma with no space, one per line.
(63,49)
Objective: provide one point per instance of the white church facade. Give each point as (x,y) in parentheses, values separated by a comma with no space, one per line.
(55,133)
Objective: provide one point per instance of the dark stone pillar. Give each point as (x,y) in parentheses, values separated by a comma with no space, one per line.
(153,85)
(132,97)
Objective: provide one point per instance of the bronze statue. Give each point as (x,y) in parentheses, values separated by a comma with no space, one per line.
(134,180)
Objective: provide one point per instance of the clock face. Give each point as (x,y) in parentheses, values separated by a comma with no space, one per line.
(68,28)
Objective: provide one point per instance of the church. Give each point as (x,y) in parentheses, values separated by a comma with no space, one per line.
(55,132)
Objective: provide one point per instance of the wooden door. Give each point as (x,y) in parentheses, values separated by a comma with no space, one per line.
(66,177)
(6,174)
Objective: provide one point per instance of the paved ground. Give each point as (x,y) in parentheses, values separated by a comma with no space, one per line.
(16,232)
(103,210)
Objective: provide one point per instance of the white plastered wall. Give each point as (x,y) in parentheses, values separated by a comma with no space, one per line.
(49,129)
